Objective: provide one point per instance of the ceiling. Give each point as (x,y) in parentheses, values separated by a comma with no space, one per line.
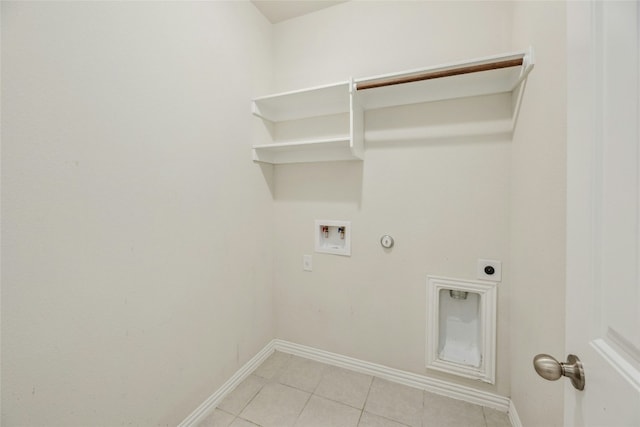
(280,10)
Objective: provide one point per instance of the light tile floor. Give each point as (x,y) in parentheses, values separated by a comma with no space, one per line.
(290,391)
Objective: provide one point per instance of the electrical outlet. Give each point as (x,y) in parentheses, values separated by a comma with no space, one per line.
(307,264)
(490,269)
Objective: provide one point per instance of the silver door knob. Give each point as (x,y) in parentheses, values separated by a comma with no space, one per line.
(550,369)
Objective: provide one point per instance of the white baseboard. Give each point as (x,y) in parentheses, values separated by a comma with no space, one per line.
(433,385)
(513,415)
(212,402)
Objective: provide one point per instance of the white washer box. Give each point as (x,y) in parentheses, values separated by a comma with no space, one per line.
(333,237)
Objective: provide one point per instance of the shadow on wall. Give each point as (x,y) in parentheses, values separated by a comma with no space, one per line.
(267,173)
(470,120)
(467,121)
(339,182)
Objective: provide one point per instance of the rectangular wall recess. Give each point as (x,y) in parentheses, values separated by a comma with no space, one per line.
(461,327)
(333,237)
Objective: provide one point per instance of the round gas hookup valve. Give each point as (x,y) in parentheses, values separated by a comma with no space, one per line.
(386,241)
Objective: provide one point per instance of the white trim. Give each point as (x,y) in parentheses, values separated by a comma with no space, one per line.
(513,415)
(422,382)
(617,360)
(202,411)
(432,385)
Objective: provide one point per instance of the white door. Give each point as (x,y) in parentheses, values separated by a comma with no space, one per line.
(603,209)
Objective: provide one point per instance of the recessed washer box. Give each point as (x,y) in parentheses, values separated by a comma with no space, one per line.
(333,237)
(461,327)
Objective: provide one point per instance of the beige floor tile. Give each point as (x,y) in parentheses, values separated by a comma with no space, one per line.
(302,373)
(396,402)
(370,420)
(235,401)
(495,418)
(344,386)
(217,418)
(440,411)
(278,394)
(275,405)
(273,366)
(321,412)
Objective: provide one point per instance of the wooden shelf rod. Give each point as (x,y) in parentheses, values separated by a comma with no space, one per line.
(441,73)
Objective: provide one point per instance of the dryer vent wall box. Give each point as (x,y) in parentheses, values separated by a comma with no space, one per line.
(333,237)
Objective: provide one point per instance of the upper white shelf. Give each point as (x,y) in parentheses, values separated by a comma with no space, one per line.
(317,101)
(317,139)
(491,75)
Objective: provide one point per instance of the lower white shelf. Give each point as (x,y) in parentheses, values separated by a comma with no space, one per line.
(317,150)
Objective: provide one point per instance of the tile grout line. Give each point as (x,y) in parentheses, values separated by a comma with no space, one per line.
(364,404)
(233,415)
(424,398)
(273,379)
(324,370)
(484,417)
(331,399)
(422,409)
(402,423)
(282,371)
(303,408)
(250,400)
(313,393)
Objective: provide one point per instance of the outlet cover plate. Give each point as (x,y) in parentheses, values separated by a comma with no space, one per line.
(307,263)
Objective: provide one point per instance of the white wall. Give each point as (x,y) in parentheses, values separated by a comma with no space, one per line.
(538,199)
(137,234)
(443,196)
(137,263)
